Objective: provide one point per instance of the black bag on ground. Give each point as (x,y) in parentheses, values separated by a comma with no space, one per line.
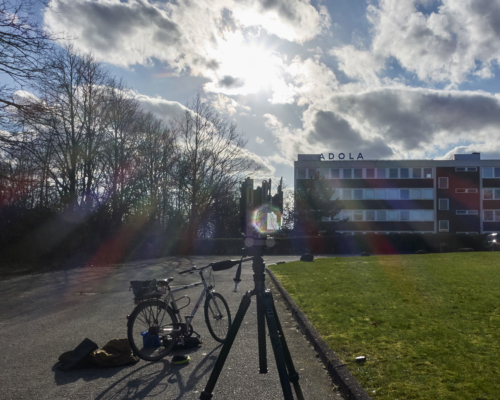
(189,343)
(115,353)
(80,357)
(307,257)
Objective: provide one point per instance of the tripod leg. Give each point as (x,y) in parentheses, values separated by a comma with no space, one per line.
(231,335)
(292,373)
(261,331)
(277,347)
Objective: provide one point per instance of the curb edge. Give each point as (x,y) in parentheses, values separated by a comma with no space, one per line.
(348,386)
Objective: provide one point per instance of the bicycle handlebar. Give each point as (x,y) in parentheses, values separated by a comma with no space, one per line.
(223,265)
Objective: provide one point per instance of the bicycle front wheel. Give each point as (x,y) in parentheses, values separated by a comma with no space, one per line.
(217,316)
(152,330)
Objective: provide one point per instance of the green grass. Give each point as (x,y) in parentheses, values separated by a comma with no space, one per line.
(428,324)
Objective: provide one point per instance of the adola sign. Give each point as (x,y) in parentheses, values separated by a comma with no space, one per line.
(341,156)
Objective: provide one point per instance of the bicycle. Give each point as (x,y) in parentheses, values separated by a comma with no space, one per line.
(155,326)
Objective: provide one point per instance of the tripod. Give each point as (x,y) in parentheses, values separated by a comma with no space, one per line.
(266,312)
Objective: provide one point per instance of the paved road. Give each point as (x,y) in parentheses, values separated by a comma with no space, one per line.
(41,316)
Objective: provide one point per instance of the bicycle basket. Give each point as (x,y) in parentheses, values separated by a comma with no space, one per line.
(144,290)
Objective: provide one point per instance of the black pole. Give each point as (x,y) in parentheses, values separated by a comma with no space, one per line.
(277,348)
(266,313)
(292,373)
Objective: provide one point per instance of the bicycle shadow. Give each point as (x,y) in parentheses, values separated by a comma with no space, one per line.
(87,374)
(156,382)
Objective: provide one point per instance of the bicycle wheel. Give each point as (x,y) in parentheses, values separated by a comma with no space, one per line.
(151,330)
(217,316)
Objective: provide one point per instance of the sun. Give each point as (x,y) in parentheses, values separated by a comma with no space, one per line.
(244,67)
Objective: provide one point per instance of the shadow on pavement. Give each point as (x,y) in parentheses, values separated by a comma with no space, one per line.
(139,384)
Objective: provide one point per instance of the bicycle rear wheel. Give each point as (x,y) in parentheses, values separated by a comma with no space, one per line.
(151,330)
(217,316)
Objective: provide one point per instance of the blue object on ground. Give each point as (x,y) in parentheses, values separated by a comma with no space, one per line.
(149,341)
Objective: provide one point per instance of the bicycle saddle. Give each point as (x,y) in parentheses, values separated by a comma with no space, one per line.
(168,280)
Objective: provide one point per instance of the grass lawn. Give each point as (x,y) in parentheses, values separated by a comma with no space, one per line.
(428,324)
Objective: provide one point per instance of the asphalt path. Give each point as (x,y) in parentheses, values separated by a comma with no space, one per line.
(42,316)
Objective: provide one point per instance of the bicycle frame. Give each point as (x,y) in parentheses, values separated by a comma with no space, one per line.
(171,300)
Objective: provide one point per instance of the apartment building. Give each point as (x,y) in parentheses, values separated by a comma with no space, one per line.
(460,196)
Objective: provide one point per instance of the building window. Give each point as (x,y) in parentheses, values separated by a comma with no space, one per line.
(312,172)
(381,195)
(444,204)
(335,173)
(417,173)
(487,172)
(346,214)
(415,215)
(497,215)
(427,172)
(404,194)
(444,226)
(416,194)
(393,194)
(463,190)
(497,172)
(381,173)
(346,194)
(325,173)
(370,215)
(466,169)
(488,215)
(301,173)
(358,194)
(404,173)
(369,194)
(381,215)
(347,173)
(427,215)
(393,173)
(467,212)
(443,183)
(392,215)
(358,173)
(490,194)
(405,215)
(370,173)
(428,194)
(358,215)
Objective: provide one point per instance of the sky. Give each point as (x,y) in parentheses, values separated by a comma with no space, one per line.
(392,79)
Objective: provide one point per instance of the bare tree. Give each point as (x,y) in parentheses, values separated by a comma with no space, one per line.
(211,161)
(67,122)
(24,47)
(119,152)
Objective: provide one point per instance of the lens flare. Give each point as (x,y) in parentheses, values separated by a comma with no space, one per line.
(266,219)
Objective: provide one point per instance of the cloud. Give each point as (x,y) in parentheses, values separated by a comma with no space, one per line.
(394,123)
(311,80)
(230,82)
(163,109)
(226,105)
(187,35)
(259,140)
(447,44)
(419,120)
(359,64)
